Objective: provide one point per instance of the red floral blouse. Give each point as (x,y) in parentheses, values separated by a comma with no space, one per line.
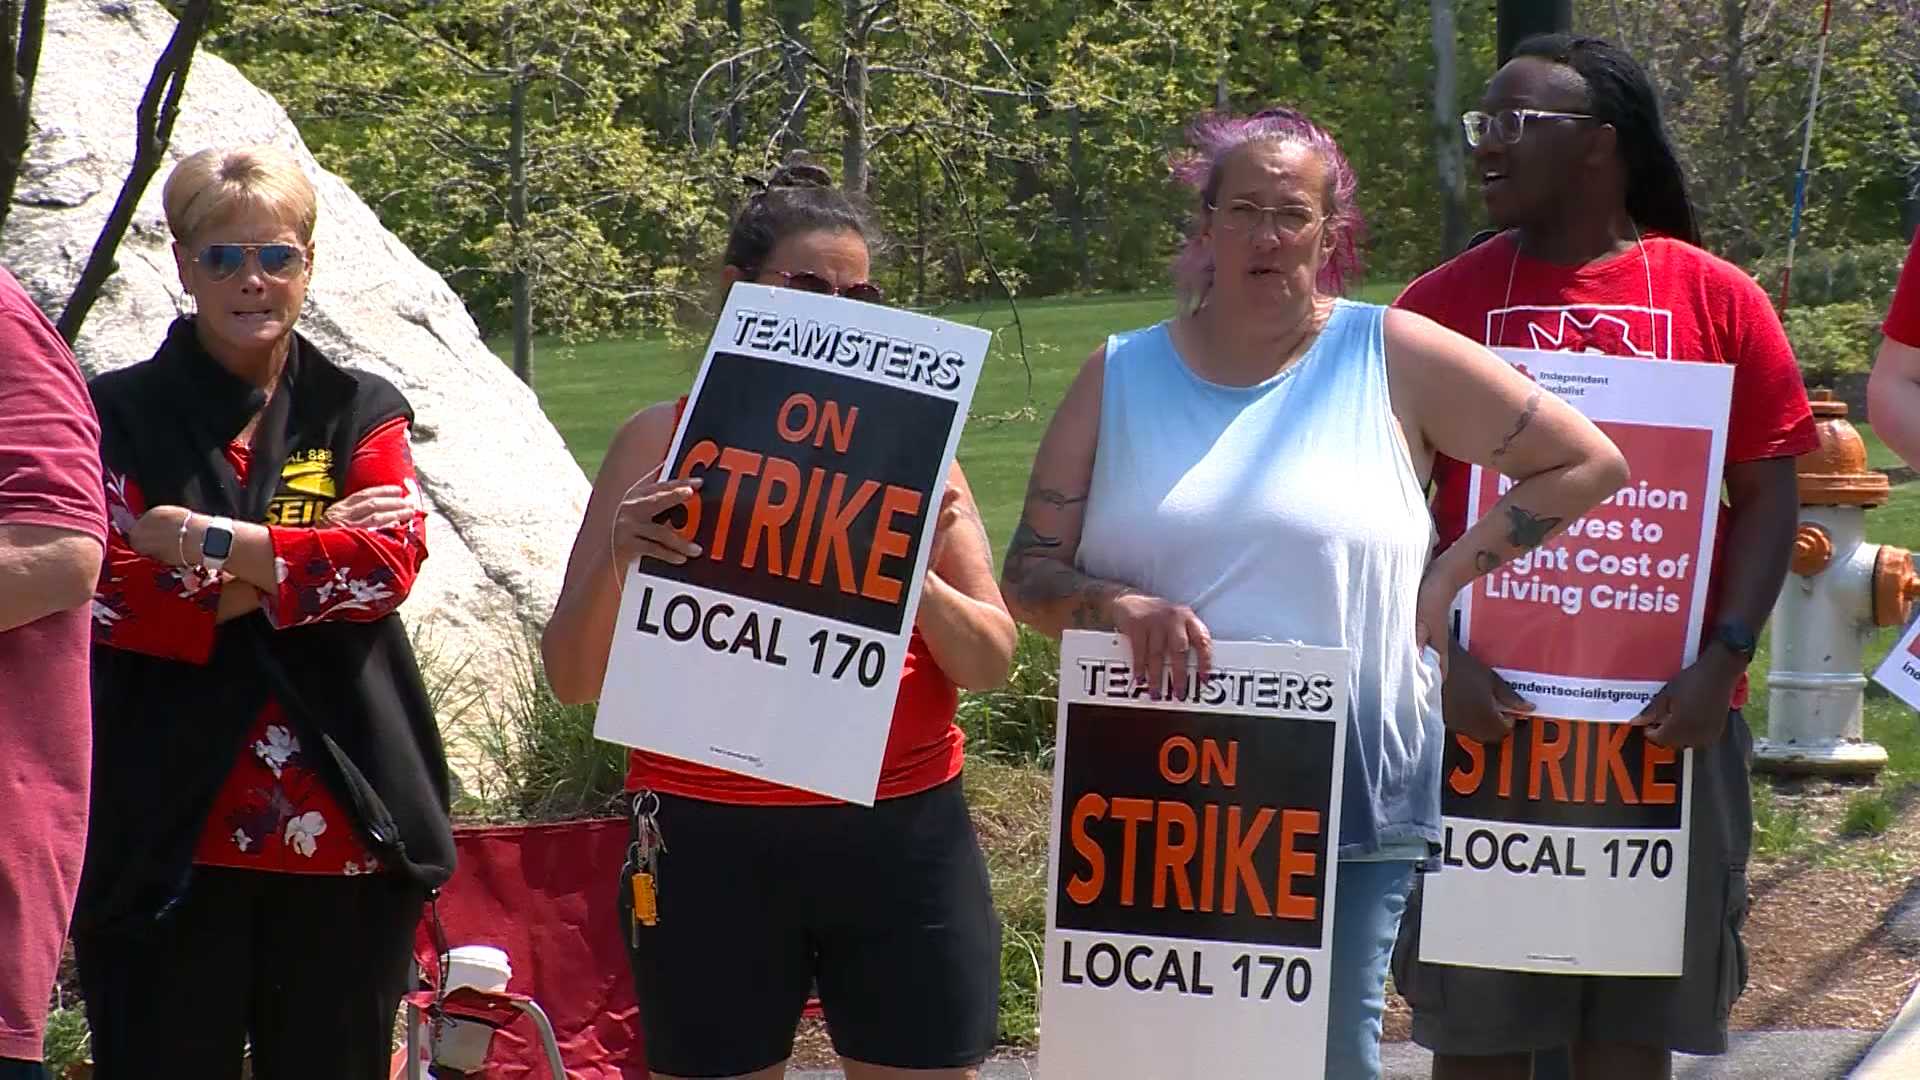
(273,812)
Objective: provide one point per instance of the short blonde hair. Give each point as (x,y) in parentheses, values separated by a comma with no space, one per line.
(217,185)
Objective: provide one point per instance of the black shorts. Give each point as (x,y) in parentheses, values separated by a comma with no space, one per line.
(886,910)
(1475,1011)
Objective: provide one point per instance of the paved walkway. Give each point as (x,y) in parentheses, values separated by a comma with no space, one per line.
(1753,1055)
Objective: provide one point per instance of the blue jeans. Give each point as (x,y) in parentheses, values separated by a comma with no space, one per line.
(1366,918)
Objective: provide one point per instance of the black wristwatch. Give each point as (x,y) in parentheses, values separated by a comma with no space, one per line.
(1738,637)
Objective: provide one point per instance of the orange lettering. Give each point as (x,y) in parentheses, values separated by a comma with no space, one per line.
(814,480)
(1652,790)
(1239,870)
(1465,779)
(1209,830)
(1167,771)
(1610,740)
(836,426)
(700,457)
(1581,730)
(769,516)
(888,543)
(1169,856)
(1085,890)
(1133,812)
(1545,757)
(833,532)
(1506,767)
(1212,764)
(1294,863)
(795,434)
(738,463)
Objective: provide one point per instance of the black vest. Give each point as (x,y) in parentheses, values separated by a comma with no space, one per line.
(166,734)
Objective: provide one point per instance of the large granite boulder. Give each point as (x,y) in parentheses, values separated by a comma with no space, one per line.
(505,495)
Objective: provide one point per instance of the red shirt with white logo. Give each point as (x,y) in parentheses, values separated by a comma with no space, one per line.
(1903,317)
(1678,303)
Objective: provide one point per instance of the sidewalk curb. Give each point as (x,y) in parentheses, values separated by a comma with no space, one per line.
(1896,1055)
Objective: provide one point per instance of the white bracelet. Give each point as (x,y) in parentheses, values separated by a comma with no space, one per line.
(180,544)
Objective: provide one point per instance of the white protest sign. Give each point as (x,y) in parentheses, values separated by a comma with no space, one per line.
(1900,671)
(1565,847)
(1192,865)
(824,429)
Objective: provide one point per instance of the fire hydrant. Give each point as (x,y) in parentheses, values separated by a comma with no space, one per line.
(1840,589)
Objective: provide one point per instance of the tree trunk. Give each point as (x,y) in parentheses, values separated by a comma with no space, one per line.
(736,27)
(796,16)
(919,224)
(517,227)
(853,99)
(19,62)
(1077,201)
(1516,20)
(1448,154)
(1737,80)
(159,108)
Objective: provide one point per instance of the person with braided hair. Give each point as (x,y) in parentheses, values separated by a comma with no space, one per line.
(767,890)
(1599,252)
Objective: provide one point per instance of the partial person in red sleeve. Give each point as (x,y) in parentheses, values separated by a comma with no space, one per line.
(1600,253)
(52,524)
(270,792)
(1893,390)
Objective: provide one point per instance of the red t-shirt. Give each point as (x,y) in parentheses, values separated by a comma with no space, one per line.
(274,812)
(925,748)
(50,478)
(1681,303)
(1903,317)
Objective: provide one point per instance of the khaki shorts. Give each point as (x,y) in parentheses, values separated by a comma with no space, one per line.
(1477,1012)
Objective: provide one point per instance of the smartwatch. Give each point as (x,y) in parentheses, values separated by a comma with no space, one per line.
(1739,638)
(216,544)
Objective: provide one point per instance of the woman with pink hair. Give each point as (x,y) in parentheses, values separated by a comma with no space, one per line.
(1253,469)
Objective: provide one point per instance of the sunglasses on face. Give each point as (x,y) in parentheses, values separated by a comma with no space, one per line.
(1508,125)
(806,281)
(279,262)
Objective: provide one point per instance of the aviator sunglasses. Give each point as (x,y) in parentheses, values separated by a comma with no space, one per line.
(277,261)
(806,281)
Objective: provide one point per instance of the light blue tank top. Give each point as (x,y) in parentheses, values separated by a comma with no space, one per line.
(1286,511)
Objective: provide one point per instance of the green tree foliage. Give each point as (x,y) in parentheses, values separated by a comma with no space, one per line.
(1017,148)
(412,101)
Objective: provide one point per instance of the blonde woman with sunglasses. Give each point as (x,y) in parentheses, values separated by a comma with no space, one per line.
(269,803)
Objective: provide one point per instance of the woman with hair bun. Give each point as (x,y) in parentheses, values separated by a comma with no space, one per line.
(766,890)
(1252,469)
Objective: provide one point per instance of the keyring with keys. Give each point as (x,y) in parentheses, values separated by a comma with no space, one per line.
(642,857)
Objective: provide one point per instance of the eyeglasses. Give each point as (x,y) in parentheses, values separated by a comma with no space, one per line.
(280,262)
(807,281)
(1243,216)
(1508,125)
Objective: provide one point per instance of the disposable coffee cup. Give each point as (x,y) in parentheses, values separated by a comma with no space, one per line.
(462,1044)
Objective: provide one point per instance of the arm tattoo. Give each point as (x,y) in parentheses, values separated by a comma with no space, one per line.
(1520,425)
(972,514)
(1486,561)
(1028,541)
(1526,529)
(1059,500)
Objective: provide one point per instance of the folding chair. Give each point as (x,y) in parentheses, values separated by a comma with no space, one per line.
(547,895)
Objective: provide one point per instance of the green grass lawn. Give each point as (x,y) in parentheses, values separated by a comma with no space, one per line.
(587,390)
